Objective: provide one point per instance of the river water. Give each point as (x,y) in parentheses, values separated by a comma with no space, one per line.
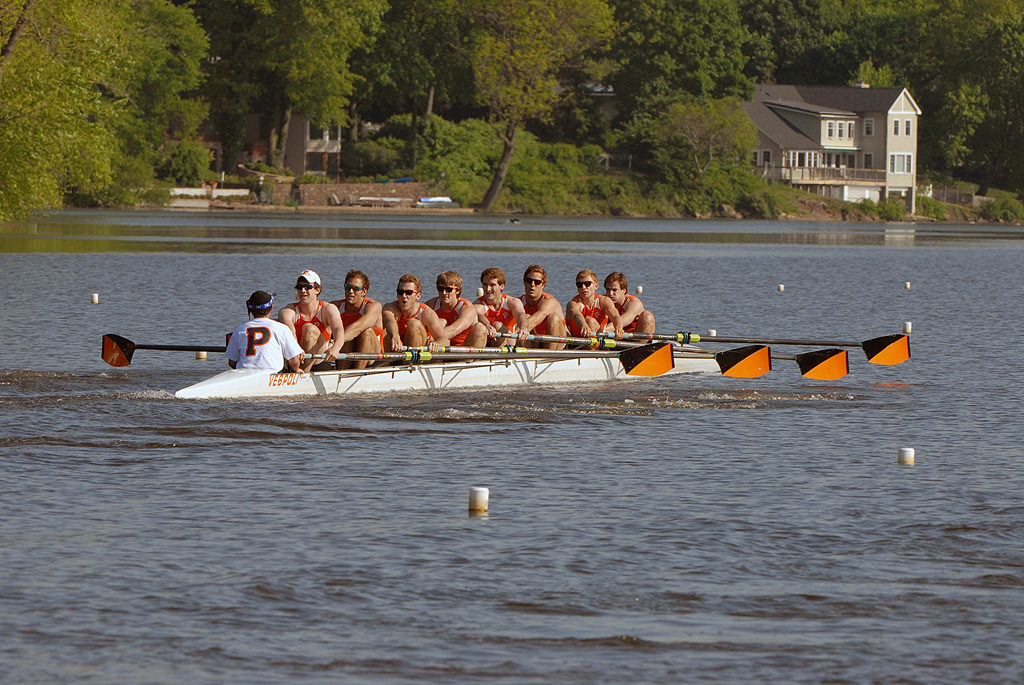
(685,529)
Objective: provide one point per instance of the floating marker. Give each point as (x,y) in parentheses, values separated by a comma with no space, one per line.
(781,287)
(906,285)
(478,500)
(906,456)
(639,290)
(907,326)
(95,298)
(479,292)
(713,332)
(200,355)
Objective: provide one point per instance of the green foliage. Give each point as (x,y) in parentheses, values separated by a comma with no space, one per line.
(371,157)
(1004,209)
(930,207)
(891,209)
(768,202)
(186,163)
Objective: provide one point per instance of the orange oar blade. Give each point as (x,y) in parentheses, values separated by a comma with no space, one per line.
(824,365)
(752,361)
(647,360)
(887,350)
(117,351)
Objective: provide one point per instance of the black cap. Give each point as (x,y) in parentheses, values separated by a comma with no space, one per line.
(259,301)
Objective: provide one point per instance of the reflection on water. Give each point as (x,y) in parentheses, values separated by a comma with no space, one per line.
(260,232)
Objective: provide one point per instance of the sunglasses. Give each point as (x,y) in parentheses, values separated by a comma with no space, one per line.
(401,292)
(446,288)
(353,287)
(304,286)
(533,281)
(584,284)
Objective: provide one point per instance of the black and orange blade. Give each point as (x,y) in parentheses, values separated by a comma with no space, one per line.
(647,360)
(887,350)
(117,351)
(824,365)
(752,361)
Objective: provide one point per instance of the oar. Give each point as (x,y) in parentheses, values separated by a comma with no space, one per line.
(118,351)
(742,362)
(644,360)
(887,349)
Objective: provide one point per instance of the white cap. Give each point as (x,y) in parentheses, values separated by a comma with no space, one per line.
(311,277)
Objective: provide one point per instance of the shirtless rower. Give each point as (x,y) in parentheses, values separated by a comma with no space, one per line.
(409,322)
(362,317)
(500,313)
(262,343)
(315,323)
(589,312)
(632,315)
(543,312)
(459,316)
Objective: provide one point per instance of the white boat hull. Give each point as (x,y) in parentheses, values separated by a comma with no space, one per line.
(451,375)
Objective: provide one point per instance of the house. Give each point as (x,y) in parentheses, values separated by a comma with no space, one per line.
(310,148)
(850,143)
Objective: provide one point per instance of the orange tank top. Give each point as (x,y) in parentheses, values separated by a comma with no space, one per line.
(403,320)
(316,320)
(502,316)
(595,311)
(449,316)
(625,303)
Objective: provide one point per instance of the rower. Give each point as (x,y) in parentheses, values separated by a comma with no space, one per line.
(262,343)
(409,322)
(498,312)
(314,323)
(590,313)
(457,313)
(362,317)
(632,315)
(543,312)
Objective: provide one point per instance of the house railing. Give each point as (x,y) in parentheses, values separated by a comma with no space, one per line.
(823,174)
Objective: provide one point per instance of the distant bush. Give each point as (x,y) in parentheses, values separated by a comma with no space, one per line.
(369,157)
(186,163)
(1003,209)
(311,179)
(931,208)
(764,203)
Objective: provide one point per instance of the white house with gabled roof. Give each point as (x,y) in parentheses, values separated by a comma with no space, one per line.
(850,143)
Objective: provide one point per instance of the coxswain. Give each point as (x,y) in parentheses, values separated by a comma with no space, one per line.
(409,322)
(590,313)
(261,342)
(632,315)
(362,317)
(461,324)
(543,312)
(316,324)
(498,312)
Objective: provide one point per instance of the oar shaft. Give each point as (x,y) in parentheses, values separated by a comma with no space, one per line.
(695,338)
(597,342)
(184,348)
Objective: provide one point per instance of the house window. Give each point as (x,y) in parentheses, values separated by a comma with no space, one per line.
(755,158)
(850,126)
(801,159)
(895,127)
(901,163)
(906,127)
(831,130)
(869,160)
(766,157)
(315,132)
(851,161)
(869,127)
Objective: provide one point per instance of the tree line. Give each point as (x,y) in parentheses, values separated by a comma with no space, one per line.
(99,99)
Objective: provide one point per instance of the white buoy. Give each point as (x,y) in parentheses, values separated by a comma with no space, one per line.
(782,287)
(712,332)
(907,326)
(200,355)
(479,292)
(906,285)
(478,499)
(95,298)
(906,456)
(639,290)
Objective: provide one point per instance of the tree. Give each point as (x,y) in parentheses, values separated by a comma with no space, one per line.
(59,95)
(519,46)
(665,47)
(282,56)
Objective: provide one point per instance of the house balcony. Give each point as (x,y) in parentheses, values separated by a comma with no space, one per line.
(825,175)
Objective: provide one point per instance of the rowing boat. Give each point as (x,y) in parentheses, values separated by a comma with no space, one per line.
(432,376)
